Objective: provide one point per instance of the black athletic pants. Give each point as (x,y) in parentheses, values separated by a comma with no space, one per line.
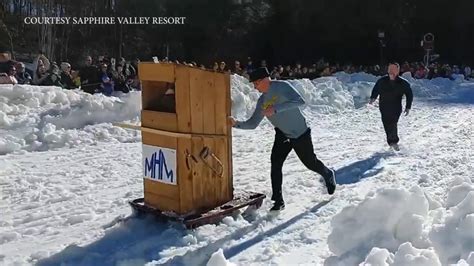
(390,124)
(303,147)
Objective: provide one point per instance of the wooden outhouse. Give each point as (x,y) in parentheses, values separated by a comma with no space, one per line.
(187,141)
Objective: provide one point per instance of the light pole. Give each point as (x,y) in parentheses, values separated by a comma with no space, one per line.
(381,36)
(428,44)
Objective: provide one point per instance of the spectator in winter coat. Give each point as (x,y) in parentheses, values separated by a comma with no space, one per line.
(275,73)
(223,67)
(215,66)
(9,77)
(326,72)
(420,72)
(249,67)
(107,85)
(41,65)
(467,72)
(305,72)
(287,73)
(89,76)
(5,63)
(76,80)
(66,77)
(129,71)
(135,64)
(237,68)
(22,76)
(41,74)
(53,78)
(120,81)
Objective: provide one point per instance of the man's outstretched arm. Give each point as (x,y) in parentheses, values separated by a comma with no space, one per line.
(409,94)
(375,92)
(254,120)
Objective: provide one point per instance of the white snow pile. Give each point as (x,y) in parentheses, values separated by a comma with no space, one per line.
(340,92)
(355,77)
(38,118)
(218,259)
(324,95)
(401,227)
(433,87)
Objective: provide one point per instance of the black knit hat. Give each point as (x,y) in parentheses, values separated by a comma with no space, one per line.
(259,73)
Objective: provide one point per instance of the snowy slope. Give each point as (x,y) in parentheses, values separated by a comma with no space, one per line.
(68,203)
(36,118)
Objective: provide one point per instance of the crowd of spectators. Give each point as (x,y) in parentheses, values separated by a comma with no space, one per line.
(323,69)
(105,75)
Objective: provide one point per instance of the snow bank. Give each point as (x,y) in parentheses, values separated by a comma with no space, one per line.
(355,77)
(356,229)
(37,118)
(340,92)
(397,227)
(406,255)
(454,238)
(323,95)
(218,259)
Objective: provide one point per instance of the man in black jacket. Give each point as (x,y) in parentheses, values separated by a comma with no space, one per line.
(391,89)
(22,76)
(89,76)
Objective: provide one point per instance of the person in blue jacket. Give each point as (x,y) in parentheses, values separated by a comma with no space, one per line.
(107,85)
(280,103)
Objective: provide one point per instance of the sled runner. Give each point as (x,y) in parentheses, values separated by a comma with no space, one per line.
(190,221)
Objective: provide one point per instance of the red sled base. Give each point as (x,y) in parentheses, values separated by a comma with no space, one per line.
(190,221)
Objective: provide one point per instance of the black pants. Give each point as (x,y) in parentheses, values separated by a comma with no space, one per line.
(303,147)
(390,124)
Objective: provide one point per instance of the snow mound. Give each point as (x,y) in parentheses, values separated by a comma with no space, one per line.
(356,229)
(432,87)
(406,255)
(218,259)
(340,92)
(325,95)
(355,77)
(397,227)
(39,118)
(454,238)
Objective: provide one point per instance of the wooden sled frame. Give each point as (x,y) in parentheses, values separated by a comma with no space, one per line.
(241,199)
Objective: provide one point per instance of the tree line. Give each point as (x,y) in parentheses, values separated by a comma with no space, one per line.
(279,31)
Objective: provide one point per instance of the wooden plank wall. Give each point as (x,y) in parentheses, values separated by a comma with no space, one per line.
(156,72)
(197,85)
(203,106)
(185,176)
(183,102)
(159,120)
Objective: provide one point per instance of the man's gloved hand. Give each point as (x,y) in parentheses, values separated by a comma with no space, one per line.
(269,111)
(407,111)
(371,101)
(231,121)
